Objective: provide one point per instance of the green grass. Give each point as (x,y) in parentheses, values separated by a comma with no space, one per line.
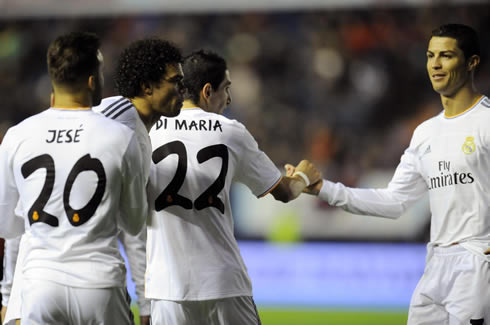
(279,316)
(134,309)
(330,317)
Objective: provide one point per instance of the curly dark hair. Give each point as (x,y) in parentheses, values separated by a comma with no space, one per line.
(72,58)
(466,37)
(202,67)
(144,63)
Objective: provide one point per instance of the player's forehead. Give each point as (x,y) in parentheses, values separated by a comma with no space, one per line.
(173,70)
(443,44)
(226,80)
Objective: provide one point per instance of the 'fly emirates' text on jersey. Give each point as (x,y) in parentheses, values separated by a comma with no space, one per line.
(450,158)
(76,180)
(191,250)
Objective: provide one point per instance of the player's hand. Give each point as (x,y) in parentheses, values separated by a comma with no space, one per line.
(290,169)
(308,169)
(313,189)
(487,252)
(2,314)
(144,320)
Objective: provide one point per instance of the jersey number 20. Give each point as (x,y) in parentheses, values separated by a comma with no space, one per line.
(208,198)
(77,217)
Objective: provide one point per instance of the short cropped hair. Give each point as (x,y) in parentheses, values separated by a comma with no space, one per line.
(72,58)
(202,67)
(466,37)
(144,63)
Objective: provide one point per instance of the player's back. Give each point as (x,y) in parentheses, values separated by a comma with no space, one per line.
(70,167)
(192,252)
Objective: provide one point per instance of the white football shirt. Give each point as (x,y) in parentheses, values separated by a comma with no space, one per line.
(450,158)
(123,111)
(191,250)
(74,173)
(120,109)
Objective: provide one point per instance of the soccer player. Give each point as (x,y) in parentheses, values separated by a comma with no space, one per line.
(448,157)
(195,273)
(73,176)
(136,79)
(149,80)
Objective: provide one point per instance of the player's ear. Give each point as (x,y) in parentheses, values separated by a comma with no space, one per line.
(473,62)
(91,82)
(206,91)
(147,89)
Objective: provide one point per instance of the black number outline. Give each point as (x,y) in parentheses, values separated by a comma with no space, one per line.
(209,198)
(36,212)
(86,163)
(78,217)
(170,195)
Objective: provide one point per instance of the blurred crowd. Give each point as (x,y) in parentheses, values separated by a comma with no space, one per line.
(344,88)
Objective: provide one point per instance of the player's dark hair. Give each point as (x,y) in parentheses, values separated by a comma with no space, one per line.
(466,37)
(201,67)
(72,58)
(144,63)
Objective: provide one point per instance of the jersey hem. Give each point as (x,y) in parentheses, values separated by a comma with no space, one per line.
(199,298)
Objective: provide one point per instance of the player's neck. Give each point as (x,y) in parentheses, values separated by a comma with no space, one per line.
(68,100)
(189,104)
(464,99)
(146,114)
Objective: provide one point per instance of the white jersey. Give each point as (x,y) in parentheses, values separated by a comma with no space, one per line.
(192,252)
(122,110)
(73,172)
(450,158)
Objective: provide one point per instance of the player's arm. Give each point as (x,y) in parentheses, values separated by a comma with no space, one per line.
(291,186)
(134,200)
(135,248)
(406,187)
(11,251)
(12,225)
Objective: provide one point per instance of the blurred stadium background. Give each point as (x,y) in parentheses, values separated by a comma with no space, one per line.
(340,82)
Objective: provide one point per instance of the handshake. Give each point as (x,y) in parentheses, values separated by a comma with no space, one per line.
(307,173)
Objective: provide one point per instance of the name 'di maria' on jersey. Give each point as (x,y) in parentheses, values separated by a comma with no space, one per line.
(190,125)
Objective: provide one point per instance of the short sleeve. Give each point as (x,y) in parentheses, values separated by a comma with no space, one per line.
(255,169)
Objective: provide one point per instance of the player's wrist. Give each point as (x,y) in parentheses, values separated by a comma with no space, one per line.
(299,175)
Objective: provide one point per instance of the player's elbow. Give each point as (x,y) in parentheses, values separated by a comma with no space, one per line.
(134,223)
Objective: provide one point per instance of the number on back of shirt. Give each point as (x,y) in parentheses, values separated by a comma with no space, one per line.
(76,217)
(209,198)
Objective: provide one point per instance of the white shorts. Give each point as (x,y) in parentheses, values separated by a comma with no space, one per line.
(454,290)
(226,311)
(45,302)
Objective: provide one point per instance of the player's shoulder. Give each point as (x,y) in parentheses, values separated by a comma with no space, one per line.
(107,102)
(29,125)
(427,126)
(120,109)
(113,107)
(484,104)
